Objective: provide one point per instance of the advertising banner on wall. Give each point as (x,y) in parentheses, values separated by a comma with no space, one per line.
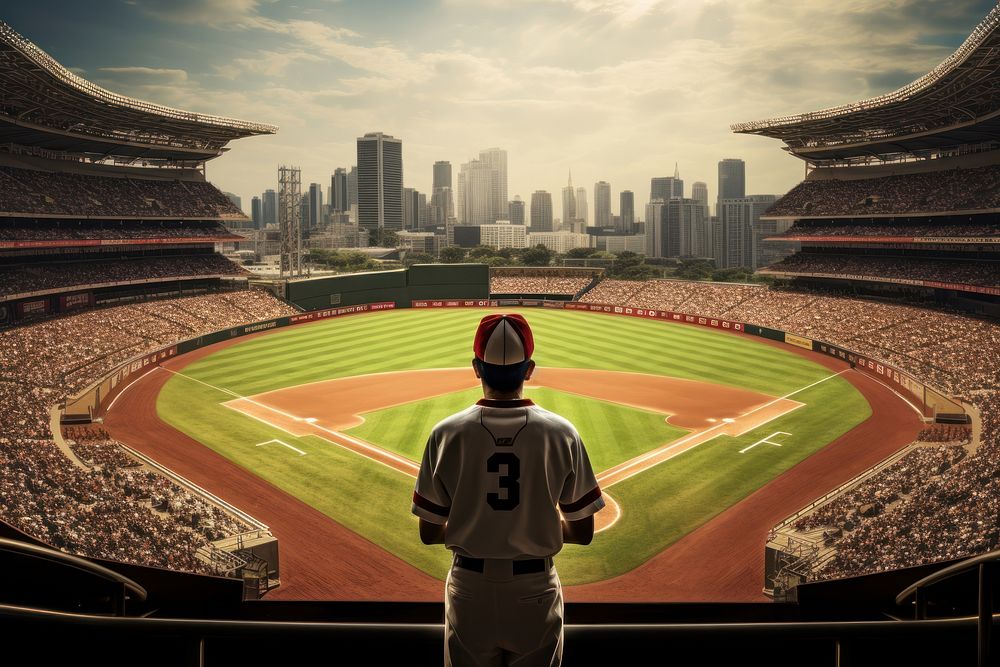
(799,341)
(647,313)
(72,301)
(893,377)
(464,303)
(33,307)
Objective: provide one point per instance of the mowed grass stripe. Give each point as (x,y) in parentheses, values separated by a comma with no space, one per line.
(660,347)
(336,333)
(612,433)
(324,349)
(663,355)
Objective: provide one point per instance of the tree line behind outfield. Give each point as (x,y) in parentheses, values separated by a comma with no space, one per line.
(624,266)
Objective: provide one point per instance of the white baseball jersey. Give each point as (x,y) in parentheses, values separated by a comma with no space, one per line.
(498,473)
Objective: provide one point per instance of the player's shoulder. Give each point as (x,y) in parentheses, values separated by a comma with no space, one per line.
(457,421)
(553,420)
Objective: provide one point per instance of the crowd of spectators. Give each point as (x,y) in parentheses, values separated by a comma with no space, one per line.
(976,273)
(110,230)
(538,284)
(896,229)
(941,501)
(905,194)
(27,278)
(30,191)
(106,504)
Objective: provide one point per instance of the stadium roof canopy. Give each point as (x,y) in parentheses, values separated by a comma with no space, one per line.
(44,105)
(957,103)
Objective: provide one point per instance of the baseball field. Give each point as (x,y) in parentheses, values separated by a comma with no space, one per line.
(680,422)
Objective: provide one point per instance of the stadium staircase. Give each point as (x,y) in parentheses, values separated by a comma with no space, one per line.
(101,611)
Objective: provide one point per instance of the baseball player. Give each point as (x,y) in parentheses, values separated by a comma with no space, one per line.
(503,484)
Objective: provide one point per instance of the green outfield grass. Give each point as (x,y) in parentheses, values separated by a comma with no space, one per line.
(659,506)
(612,433)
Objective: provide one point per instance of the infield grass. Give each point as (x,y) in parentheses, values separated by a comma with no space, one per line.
(659,506)
(612,433)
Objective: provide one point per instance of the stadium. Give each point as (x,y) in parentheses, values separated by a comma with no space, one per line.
(200,468)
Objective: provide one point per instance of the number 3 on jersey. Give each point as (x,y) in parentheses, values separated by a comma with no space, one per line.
(507,481)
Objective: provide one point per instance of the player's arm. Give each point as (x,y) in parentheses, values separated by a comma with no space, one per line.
(578,532)
(432,533)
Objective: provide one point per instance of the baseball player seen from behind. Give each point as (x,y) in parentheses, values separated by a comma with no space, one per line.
(503,484)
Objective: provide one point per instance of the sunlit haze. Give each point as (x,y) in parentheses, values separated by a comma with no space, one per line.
(613,90)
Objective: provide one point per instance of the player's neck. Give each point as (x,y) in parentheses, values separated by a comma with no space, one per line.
(494,395)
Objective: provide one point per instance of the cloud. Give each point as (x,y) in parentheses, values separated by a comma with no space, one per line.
(145,75)
(616,90)
(211,12)
(266,63)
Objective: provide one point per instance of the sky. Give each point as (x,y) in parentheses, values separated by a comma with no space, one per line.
(614,90)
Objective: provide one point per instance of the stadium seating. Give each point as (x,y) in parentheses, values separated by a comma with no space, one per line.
(22,279)
(537,284)
(973,273)
(105,504)
(908,194)
(60,193)
(893,229)
(104,230)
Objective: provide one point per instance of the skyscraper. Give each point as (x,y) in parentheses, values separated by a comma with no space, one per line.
(380,182)
(602,204)
(315,205)
(737,219)
(732,179)
(541,211)
(496,159)
(409,209)
(352,187)
(582,212)
(482,189)
(627,212)
(442,199)
(699,191)
(685,223)
(515,211)
(256,213)
(442,174)
(656,232)
(666,187)
(477,186)
(338,191)
(269,208)
(569,201)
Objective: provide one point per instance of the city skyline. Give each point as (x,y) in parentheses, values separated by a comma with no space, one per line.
(617,91)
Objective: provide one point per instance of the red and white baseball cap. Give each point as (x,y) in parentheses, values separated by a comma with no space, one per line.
(503,340)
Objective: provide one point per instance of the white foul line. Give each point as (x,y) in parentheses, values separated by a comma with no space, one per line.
(657,452)
(311,421)
(233,393)
(280,442)
(371,448)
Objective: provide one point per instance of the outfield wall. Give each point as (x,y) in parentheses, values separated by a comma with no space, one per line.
(419,282)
